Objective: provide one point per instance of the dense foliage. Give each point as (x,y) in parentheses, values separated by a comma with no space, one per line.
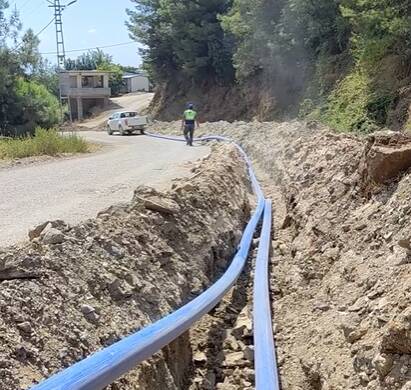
(344,61)
(25,101)
(183,37)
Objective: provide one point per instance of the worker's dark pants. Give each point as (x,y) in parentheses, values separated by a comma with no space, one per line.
(189,133)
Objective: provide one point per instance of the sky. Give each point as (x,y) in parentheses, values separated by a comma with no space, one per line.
(86,24)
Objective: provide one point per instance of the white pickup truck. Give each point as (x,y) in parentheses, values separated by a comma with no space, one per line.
(126,122)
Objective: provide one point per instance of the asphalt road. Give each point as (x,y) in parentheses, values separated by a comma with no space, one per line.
(78,188)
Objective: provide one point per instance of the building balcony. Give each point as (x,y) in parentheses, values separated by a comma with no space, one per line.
(86,92)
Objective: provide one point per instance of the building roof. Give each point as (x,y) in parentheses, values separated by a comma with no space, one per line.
(86,72)
(132,75)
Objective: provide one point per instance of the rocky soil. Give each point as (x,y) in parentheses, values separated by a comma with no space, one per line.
(223,340)
(72,290)
(341,276)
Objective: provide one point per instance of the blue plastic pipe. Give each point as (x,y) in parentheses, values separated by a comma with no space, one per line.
(266,371)
(105,367)
(255,184)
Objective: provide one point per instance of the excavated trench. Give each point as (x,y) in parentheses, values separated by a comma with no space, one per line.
(72,290)
(223,341)
(340,277)
(217,353)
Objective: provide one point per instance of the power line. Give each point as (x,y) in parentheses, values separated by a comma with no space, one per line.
(45,27)
(92,48)
(37,34)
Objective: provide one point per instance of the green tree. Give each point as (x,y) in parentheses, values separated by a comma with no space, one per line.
(38,106)
(317,27)
(183,37)
(379,28)
(151,27)
(254,24)
(345,60)
(47,75)
(28,52)
(24,103)
(89,61)
(130,69)
(116,76)
(98,60)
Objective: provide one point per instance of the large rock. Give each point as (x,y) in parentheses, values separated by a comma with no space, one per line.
(89,313)
(387,158)
(155,201)
(383,364)
(40,230)
(234,359)
(397,337)
(244,325)
(52,236)
(350,325)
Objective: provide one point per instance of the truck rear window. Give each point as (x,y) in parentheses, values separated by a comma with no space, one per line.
(128,114)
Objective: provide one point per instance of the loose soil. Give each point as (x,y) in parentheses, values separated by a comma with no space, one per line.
(341,277)
(340,270)
(75,289)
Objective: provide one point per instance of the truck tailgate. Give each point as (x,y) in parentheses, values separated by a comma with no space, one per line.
(137,121)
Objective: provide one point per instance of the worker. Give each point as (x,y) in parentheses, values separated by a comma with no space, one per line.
(189,123)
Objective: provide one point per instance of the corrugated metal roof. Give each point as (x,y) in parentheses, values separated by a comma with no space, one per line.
(131,76)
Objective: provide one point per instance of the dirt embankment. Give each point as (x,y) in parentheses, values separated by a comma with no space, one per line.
(73,290)
(263,98)
(341,277)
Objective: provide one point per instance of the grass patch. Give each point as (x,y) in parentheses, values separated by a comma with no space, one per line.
(44,143)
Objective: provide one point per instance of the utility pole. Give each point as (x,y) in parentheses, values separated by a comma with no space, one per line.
(61,50)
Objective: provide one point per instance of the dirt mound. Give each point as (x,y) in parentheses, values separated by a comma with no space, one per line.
(74,290)
(341,276)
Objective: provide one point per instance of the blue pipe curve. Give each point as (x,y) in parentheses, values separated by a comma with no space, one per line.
(266,371)
(105,367)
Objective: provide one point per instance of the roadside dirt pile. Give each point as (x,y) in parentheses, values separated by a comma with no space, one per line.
(341,277)
(73,290)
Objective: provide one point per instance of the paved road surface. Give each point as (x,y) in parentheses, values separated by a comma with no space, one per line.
(77,189)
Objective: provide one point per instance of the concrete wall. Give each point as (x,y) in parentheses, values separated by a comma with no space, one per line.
(85,90)
(138,83)
(85,84)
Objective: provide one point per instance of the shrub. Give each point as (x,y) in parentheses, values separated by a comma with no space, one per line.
(39,106)
(347,107)
(44,143)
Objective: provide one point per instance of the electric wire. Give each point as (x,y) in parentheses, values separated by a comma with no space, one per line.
(45,27)
(36,35)
(92,48)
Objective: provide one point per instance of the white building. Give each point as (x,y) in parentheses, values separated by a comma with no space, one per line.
(135,82)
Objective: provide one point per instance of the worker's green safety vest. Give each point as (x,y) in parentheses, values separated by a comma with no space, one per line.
(190,115)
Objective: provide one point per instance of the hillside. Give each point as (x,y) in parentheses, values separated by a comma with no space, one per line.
(345,62)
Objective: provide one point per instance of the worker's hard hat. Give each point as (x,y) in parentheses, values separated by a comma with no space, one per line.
(190,106)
